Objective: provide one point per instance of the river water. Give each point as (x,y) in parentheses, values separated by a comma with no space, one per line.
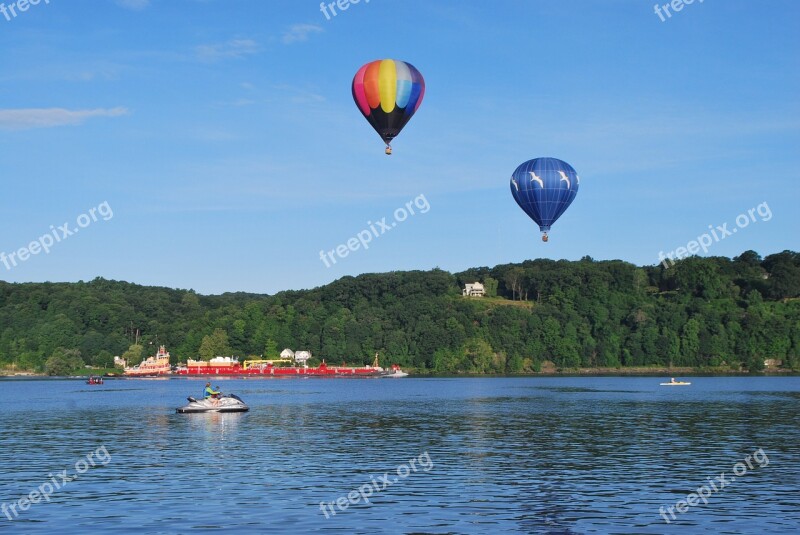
(431,455)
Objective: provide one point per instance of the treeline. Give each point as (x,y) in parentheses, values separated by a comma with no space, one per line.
(701,312)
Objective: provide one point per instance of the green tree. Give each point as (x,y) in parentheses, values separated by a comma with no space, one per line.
(671,345)
(690,342)
(134,354)
(64,362)
(214,345)
(479,357)
(271,348)
(513,281)
(446,361)
(490,285)
(103,359)
(755,364)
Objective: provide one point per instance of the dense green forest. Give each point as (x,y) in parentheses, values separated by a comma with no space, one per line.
(701,312)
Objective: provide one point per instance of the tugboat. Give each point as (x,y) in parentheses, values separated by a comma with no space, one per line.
(152,366)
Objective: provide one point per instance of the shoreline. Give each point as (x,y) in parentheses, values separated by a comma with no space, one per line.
(623,372)
(574,372)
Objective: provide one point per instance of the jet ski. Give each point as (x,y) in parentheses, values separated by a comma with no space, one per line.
(226,403)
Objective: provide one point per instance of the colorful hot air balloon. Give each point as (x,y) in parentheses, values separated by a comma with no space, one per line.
(544,188)
(388,93)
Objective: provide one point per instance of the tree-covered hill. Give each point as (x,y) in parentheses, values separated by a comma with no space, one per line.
(699,312)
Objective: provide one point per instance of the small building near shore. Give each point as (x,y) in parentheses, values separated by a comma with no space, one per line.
(475,289)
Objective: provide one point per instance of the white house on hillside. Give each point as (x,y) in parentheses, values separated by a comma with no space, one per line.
(287,354)
(301,357)
(474,290)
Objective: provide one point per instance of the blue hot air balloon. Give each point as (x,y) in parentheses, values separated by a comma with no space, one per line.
(544,188)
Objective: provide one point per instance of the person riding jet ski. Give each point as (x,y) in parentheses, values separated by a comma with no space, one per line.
(211,393)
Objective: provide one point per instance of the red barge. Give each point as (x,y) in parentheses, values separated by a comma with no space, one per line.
(231,366)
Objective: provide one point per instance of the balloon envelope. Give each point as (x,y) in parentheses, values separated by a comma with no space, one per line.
(544,188)
(388,92)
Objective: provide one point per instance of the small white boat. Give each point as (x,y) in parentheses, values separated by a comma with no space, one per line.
(673,382)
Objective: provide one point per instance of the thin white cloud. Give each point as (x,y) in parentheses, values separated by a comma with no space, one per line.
(135,5)
(297,33)
(234,48)
(298,95)
(25,119)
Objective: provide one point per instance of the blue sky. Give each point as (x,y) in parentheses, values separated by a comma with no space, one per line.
(223,135)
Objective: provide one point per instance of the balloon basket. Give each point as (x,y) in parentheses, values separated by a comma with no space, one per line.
(545,238)
(388,151)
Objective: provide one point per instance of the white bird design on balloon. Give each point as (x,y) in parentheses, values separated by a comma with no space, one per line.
(514,181)
(565,178)
(535,178)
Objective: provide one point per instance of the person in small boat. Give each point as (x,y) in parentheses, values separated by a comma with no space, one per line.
(211,393)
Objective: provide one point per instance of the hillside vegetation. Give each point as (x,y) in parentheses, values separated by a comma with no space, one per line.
(701,312)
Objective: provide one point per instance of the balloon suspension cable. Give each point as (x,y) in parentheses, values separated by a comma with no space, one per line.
(388,150)
(545,237)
